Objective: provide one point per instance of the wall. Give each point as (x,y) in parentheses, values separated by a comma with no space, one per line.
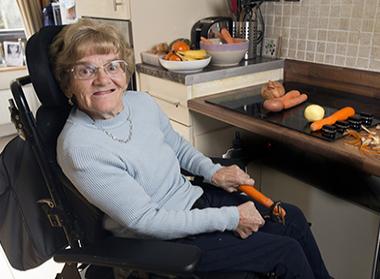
(336,32)
(163,21)
(6,127)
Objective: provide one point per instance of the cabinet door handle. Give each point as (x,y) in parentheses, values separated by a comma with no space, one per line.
(173,102)
(116,4)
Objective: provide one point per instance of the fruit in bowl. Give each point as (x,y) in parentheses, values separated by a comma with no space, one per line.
(191,61)
(186,55)
(182,59)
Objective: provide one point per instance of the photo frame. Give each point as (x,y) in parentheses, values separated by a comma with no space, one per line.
(13,54)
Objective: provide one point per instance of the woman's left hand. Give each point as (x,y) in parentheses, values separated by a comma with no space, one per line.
(230,178)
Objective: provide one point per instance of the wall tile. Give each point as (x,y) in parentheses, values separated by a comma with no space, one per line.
(321,47)
(352,50)
(375,53)
(376,39)
(374,65)
(341,49)
(310,56)
(329,59)
(310,46)
(344,23)
(364,51)
(322,35)
(365,38)
(362,63)
(330,48)
(319,58)
(337,32)
(340,60)
(312,34)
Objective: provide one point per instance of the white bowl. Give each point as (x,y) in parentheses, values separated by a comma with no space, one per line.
(185,66)
(225,54)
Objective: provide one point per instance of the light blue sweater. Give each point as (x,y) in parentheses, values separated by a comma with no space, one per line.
(138,184)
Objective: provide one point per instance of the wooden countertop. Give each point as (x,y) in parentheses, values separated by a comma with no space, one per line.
(336,150)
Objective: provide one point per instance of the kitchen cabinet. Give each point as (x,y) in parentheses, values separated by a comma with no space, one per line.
(346,233)
(153,21)
(172,91)
(113,9)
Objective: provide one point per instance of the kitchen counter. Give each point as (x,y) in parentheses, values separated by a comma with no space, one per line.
(336,151)
(335,167)
(212,73)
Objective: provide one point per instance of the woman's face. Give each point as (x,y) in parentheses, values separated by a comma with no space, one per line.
(101,96)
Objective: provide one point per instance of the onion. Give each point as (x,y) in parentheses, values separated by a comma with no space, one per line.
(273,89)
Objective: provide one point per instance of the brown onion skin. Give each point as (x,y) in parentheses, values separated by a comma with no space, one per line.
(271,90)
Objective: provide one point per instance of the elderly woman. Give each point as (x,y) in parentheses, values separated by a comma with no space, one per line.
(120,151)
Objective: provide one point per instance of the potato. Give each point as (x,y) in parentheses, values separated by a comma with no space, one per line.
(273,105)
(314,112)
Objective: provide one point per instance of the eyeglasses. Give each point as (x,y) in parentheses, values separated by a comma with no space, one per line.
(89,71)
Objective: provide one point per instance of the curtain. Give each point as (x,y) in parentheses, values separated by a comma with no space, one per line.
(31,13)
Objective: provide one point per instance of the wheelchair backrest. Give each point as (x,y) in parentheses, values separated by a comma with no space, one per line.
(43,182)
(86,220)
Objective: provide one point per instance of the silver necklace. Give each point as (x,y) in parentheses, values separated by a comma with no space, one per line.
(116,138)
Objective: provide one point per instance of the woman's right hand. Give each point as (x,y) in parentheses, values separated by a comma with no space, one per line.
(250,220)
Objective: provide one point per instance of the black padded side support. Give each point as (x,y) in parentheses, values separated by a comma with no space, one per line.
(44,83)
(156,256)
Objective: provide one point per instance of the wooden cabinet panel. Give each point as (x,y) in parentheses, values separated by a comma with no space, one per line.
(162,88)
(175,112)
(184,131)
(341,228)
(113,9)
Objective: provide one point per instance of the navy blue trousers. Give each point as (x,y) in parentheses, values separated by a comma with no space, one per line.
(289,250)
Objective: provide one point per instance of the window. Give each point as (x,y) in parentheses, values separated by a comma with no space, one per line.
(11,26)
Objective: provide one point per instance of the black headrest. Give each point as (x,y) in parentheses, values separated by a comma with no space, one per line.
(40,71)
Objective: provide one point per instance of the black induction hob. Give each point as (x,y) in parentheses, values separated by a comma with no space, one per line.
(251,103)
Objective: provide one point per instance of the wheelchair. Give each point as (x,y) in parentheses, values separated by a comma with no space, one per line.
(70,228)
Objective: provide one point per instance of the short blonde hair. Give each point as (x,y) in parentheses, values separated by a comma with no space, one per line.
(82,38)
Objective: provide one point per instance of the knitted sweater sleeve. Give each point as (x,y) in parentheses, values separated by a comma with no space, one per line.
(102,178)
(189,158)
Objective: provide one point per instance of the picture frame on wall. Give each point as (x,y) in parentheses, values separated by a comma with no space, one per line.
(13,54)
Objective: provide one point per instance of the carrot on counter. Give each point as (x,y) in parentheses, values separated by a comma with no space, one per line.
(256,195)
(290,99)
(289,95)
(292,102)
(339,115)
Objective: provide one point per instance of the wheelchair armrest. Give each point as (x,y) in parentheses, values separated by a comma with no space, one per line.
(156,256)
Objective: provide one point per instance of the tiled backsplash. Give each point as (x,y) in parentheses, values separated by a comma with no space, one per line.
(336,32)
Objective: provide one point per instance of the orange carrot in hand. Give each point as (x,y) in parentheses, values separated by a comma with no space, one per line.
(339,115)
(256,195)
